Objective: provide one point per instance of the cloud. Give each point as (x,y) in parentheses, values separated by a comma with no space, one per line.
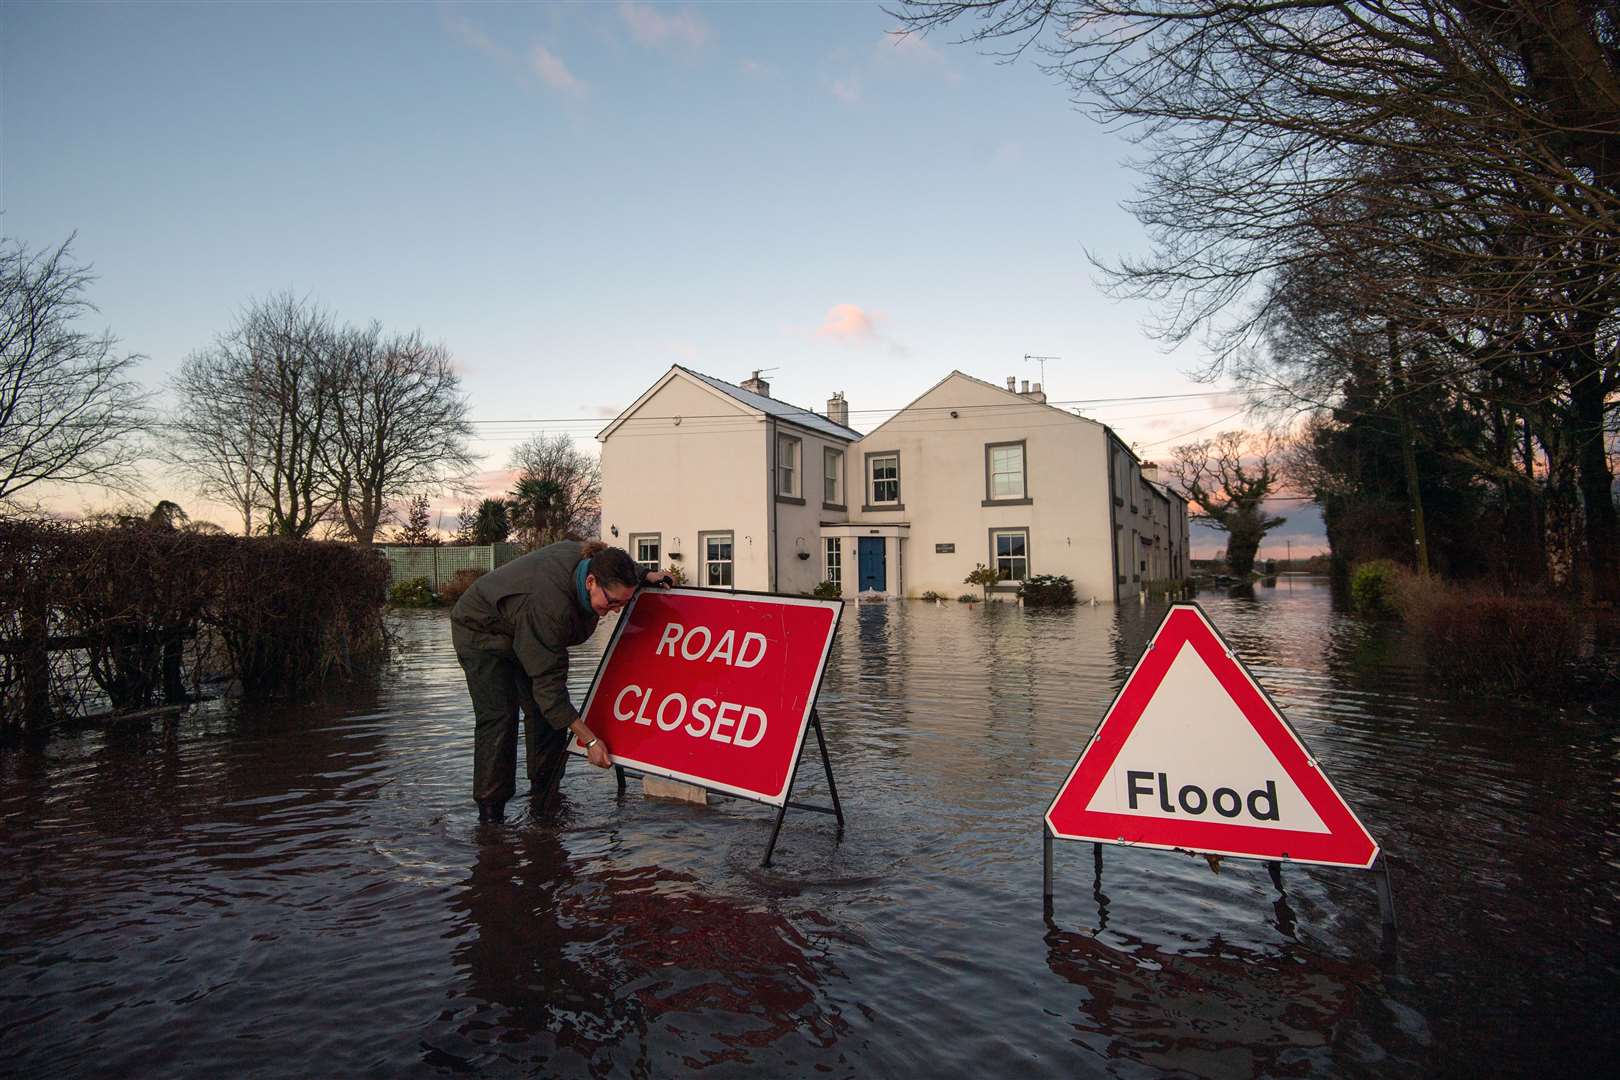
(471,34)
(684,30)
(847,90)
(751,67)
(851,325)
(913,50)
(606,412)
(553,72)
(541,61)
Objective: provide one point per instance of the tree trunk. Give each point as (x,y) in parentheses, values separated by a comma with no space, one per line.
(1596,483)
(1563,512)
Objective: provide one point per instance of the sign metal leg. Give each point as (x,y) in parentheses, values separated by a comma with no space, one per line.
(1046,863)
(1386,895)
(826,762)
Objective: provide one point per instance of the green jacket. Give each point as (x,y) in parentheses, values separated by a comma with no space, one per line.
(529,609)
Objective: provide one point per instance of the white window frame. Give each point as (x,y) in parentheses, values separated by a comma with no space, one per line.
(991,473)
(789,452)
(873,481)
(996,557)
(832,561)
(636,540)
(832,477)
(727,567)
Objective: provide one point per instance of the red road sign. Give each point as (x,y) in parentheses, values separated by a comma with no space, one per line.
(1193,755)
(712,688)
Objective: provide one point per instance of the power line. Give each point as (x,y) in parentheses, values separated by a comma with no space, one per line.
(808,413)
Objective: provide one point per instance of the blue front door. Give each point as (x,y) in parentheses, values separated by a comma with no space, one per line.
(874,577)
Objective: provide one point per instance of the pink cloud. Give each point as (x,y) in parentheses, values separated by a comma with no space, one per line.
(653,29)
(847,90)
(553,72)
(848,322)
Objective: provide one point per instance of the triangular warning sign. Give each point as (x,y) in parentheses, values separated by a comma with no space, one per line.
(1193,755)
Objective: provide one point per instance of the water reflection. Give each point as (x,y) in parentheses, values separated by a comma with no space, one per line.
(1223,1010)
(596,967)
(302,890)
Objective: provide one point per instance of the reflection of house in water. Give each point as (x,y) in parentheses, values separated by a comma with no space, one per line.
(743,491)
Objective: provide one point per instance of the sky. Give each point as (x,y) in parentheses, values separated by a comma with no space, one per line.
(573,196)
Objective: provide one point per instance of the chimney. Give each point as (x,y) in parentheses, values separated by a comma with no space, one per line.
(757,385)
(1033,393)
(1025,387)
(1150,472)
(838,409)
(1012,383)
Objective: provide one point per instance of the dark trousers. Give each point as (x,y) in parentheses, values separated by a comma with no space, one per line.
(499,688)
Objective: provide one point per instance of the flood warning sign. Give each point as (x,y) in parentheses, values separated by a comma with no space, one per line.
(1193,755)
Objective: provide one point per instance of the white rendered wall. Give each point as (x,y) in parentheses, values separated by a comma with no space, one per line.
(942,487)
(708,473)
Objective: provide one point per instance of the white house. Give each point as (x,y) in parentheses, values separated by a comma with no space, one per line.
(743,491)
(724,482)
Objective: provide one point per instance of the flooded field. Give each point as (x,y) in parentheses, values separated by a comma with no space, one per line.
(304,891)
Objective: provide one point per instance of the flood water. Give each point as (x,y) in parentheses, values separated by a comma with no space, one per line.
(304,891)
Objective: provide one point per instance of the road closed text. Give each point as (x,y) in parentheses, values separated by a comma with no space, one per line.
(704,717)
(722,721)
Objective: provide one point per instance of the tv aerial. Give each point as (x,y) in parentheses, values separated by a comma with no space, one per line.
(1042,361)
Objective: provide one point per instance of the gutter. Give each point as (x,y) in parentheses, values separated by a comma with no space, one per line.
(1113,507)
(770,494)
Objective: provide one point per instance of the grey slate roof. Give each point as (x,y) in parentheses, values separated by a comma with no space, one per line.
(779,409)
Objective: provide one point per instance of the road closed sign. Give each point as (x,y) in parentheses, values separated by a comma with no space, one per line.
(1193,755)
(712,688)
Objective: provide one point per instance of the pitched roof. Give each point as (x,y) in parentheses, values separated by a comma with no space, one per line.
(781,410)
(1013,395)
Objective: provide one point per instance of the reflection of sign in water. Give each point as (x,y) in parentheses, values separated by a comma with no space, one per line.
(1193,755)
(713,688)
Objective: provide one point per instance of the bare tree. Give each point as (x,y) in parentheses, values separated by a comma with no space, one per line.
(399,425)
(1227,488)
(69,412)
(216,436)
(558,494)
(1458,161)
(256,413)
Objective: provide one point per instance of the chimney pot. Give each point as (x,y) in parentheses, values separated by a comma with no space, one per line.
(1025,385)
(1012,383)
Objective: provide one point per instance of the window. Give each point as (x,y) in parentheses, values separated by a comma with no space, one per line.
(1010,550)
(885,478)
(646,549)
(717,560)
(832,469)
(1004,472)
(787,466)
(834,562)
